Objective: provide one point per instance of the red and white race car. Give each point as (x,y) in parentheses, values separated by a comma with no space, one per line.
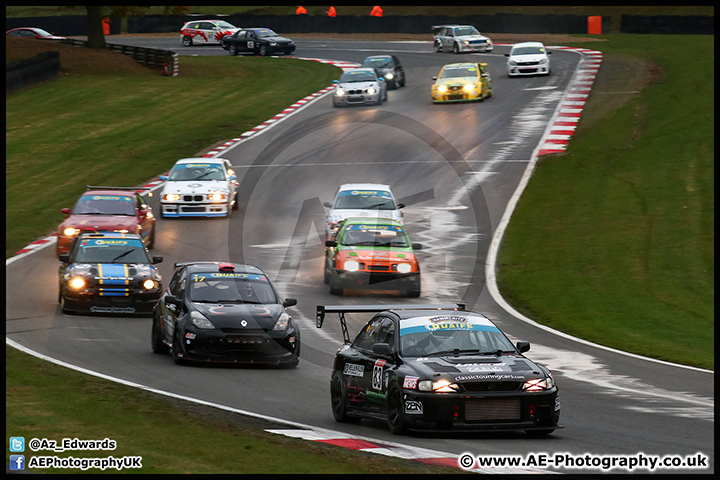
(200,32)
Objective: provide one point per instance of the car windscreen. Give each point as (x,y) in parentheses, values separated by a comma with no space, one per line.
(109,250)
(265,33)
(355,76)
(459,72)
(225,25)
(461,32)
(231,288)
(185,172)
(528,51)
(446,335)
(364,199)
(104,205)
(359,235)
(378,62)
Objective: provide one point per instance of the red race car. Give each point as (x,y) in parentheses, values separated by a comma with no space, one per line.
(32,32)
(201,32)
(109,209)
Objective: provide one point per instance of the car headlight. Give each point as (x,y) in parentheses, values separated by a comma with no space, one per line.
(200,321)
(543,61)
(148,284)
(339,92)
(512,63)
(77,283)
(71,231)
(404,267)
(442,89)
(468,87)
(441,386)
(371,91)
(389,76)
(273,44)
(351,266)
(216,197)
(282,323)
(539,384)
(171,197)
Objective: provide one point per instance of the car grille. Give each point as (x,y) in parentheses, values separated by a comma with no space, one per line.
(527,64)
(355,92)
(193,198)
(478,42)
(491,386)
(378,268)
(492,409)
(456,97)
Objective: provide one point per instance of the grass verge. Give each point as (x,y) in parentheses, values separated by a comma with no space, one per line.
(613,241)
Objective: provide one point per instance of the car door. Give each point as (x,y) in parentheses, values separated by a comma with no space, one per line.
(399,71)
(485,79)
(170,311)
(206,32)
(374,382)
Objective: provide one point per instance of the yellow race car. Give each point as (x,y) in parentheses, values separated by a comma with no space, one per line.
(462,82)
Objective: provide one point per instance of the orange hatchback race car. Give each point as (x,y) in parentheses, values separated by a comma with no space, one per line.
(374,254)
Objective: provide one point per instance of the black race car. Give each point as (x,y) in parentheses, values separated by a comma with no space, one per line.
(258,41)
(108,272)
(224,312)
(387,67)
(441,368)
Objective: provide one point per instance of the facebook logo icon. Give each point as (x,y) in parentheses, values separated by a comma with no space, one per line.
(17,462)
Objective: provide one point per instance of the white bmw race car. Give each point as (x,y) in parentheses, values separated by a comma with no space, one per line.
(199,187)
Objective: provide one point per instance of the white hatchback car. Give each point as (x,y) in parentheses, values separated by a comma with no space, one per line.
(361,200)
(460,39)
(199,187)
(528,58)
(201,32)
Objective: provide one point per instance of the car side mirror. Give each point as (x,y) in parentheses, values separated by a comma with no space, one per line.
(143,212)
(434,78)
(417,246)
(157,259)
(507,54)
(549,53)
(330,243)
(484,75)
(523,346)
(336,81)
(289,302)
(382,349)
(400,205)
(65,258)
(327,204)
(163,177)
(233,177)
(66,211)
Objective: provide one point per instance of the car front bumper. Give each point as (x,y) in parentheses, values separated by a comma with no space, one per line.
(194,209)
(375,280)
(476,412)
(519,70)
(132,304)
(356,99)
(457,96)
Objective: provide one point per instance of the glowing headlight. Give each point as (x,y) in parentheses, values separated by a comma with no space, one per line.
(371,91)
(282,323)
(216,197)
(71,232)
(199,320)
(273,44)
(339,92)
(441,386)
(77,283)
(468,87)
(442,89)
(389,76)
(538,384)
(352,266)
(171,197)
(404,268)
(148,284)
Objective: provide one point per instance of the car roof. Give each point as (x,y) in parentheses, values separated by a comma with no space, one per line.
(529,44)
(202,160)
(372,221)
(362,69)
(459,64)
(415,314)
(111,191)
(363,186)
(201,266)
(110,235)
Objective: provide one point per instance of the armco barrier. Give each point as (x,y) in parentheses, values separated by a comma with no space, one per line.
(24,73)
(150,57)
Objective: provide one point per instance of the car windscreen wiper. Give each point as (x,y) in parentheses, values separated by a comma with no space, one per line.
(114,260)
(455,351)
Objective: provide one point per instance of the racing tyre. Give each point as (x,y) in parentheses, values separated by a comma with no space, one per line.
(456,48)
(396,411)
(263,50)
(326,276)
(156,338)
(233,50)
(438,48)
(334,290)
(236,205)
(338,400)
(187,41)
(176,352)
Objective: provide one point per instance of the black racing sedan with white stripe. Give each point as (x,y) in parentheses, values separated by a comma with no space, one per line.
(440,368)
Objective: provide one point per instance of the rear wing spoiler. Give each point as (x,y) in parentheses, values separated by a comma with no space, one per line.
(341,310)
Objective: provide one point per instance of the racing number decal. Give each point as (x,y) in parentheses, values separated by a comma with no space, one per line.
(377,376)
(251,44)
